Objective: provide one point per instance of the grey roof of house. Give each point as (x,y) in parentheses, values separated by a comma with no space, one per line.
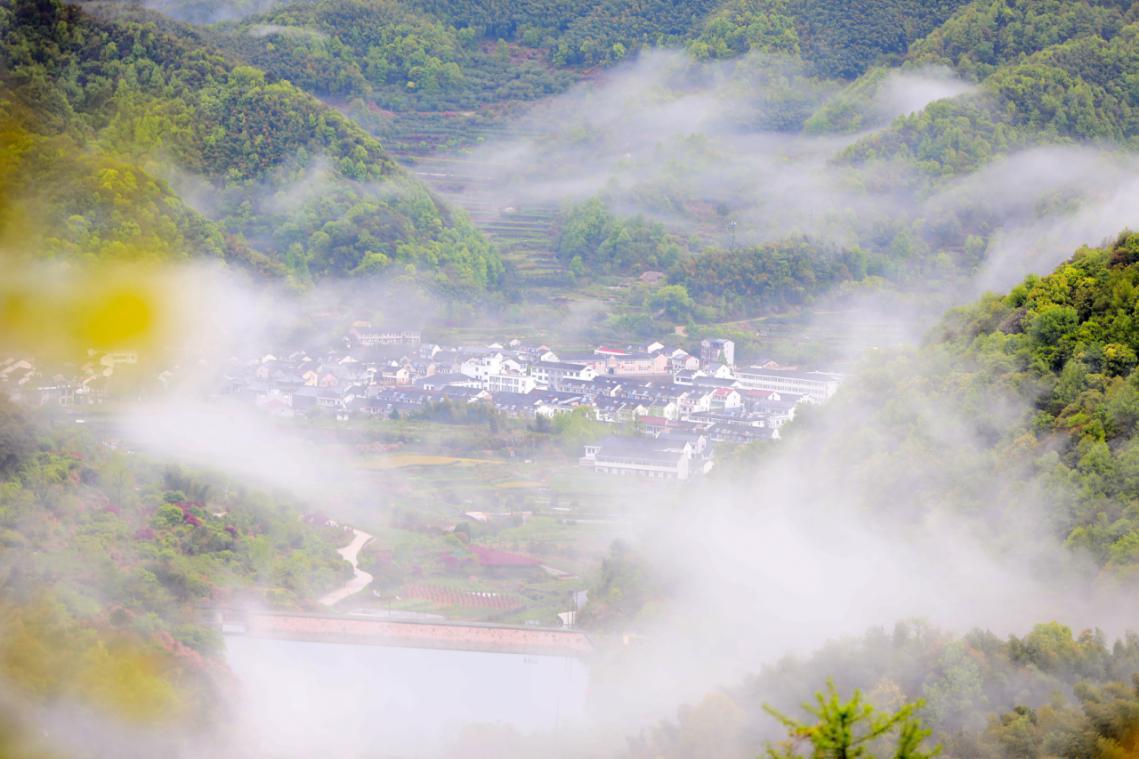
(814,376)
(639,447)
(768,405)
(680,436)
(456,392)
(713,382)
(508,400)
(729,431)
(569,366)
(439,380)
(607,402)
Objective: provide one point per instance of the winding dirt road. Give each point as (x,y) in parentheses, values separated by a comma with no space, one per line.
(360,578)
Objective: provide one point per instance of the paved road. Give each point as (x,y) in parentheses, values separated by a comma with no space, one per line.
(360,578)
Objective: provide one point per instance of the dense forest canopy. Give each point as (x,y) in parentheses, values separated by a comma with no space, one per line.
(388,53)
(1044,380)
(150,110)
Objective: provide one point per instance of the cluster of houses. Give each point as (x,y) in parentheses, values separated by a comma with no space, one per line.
(23,381)
(680,403)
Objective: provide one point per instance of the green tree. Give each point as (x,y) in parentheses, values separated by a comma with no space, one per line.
(673,301)
(848,729)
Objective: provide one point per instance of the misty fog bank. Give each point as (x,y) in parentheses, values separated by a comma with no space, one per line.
(665,137)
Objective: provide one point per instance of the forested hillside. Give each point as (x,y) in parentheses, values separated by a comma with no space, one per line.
(1042,388)
(986,34)
(299,189)
(1067,344)
(107,558)
(389,53)
(1018,416)
(803,177)
(994,80)
(1052,692)
(1048,72)
(838,40)
(428,36)
(187,154)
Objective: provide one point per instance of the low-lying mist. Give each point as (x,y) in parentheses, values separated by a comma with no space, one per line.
(674,139)
(836,529)
(840,527)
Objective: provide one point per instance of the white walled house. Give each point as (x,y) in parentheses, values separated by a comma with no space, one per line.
(482,367)
(510,383)
(551,373)
(725,399)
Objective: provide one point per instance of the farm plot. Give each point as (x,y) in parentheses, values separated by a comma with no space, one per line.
(443,596)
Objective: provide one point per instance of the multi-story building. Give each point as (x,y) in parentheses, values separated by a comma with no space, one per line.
(717,351)
(510,383)
(818,386)
(552,374)
(482,367)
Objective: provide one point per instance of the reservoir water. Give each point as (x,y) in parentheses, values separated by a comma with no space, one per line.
(306,699)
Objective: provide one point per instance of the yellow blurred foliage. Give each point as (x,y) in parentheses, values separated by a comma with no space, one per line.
(60,313)
(46,655)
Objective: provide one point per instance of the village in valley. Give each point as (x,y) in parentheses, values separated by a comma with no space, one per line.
(677,405)
(500,476)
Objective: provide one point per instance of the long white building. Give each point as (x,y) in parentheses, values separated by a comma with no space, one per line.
(818,386)
(639,457)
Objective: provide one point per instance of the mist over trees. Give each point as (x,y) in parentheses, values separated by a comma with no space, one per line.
(576,175)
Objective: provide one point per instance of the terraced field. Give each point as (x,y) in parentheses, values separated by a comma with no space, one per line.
(437,148)
(524,232)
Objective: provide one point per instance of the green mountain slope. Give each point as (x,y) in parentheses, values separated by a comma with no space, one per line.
(838,39)
(986,34)
(1049,73)
(155,102)
(1067,344)
(390,53)
(595,31)
(1017,423)
(1040,396)
(106,558)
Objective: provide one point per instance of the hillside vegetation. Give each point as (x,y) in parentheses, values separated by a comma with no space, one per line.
(388,53)
(1041,394)
(1017,75)
(1068,343)
(1052,692)
(150,109)
(1049,72)
(1020,413)
(106,558)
